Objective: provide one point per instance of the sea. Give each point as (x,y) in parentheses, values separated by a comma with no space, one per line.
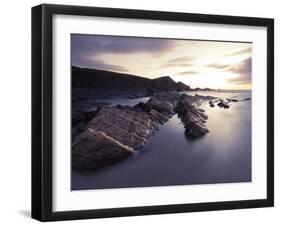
(169,158)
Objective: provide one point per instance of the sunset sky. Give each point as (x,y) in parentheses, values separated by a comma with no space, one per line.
(218,65)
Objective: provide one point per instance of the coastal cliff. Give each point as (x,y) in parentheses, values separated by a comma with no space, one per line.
(101,81)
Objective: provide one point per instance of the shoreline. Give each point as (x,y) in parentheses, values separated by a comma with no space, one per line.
(158,110)
(169,158)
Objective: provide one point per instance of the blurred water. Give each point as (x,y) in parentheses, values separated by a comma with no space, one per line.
(91,103)
(169,158)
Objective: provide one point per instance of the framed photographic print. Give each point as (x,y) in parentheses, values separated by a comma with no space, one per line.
(145,112)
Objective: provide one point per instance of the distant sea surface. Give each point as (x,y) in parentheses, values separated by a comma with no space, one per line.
(221,156)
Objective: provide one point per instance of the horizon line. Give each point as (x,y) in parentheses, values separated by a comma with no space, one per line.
(126,73)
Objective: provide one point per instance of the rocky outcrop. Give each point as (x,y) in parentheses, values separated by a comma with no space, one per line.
(167,84)
(114,133)
(223,104)
(211,103)
(129,126)
(193,118)
(226,103)
(182,87)
(94,149)
(164,103)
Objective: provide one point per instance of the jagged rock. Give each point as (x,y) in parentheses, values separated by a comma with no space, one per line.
(211,103)
(200,109)
(193,119)
(142,107)
(79,120)
(114,133)
(223,104)
(93,149)
(163,107)
(196,99)
(125,128)
(164,103)
(157,116)
(182,87)
(128,126)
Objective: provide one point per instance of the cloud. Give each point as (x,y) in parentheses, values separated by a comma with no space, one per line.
(98,64)
(181,59)
(117,44)
(218,66)
(85,47)
(243,70)
(185,61)
(240,80)
(242,67)
(188,73)
(111,67)
(241,52)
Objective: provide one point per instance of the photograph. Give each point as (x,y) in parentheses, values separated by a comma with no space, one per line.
(141,112)
(151,111)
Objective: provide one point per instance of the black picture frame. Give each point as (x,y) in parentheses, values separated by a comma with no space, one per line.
(42,107)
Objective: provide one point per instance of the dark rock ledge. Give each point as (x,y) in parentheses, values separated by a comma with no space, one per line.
(114,133)
(225,103)
(192,117)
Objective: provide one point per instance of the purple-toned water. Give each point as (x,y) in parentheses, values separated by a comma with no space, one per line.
(221,156)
